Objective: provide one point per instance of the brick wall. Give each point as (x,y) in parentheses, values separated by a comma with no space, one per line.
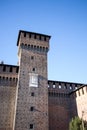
(33,50)
(60,104)
(8,82)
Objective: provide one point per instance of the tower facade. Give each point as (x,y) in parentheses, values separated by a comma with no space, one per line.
(31,109)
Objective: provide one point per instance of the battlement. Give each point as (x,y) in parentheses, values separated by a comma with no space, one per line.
(4,68)
(33,41)
(8,75)
(79,91)
(62,87)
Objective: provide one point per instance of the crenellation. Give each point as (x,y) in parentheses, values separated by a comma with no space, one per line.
(33,39)
(8,69)
(8,75)
(63,85)
(33,36)
(81,91)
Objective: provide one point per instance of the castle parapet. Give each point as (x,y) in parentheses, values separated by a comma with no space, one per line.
(4,68)
(8,75)
(33,41)
(62,87)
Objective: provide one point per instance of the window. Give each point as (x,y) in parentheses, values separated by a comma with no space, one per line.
(32,57)
(31,126)
(33,69)
(32,108)
(17,70)
(33,81)
(32,94)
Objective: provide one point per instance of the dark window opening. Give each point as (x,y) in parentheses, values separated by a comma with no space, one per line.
(32,109)
(32,57)
(34,69)
(31,126)
(32,94)
(17,70)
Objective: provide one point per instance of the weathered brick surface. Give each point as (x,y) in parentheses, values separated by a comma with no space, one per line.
(60,104)
(8,82)
(7,104)
(39,116)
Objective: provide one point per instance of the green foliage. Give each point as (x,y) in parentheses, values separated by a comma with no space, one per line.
(76,124)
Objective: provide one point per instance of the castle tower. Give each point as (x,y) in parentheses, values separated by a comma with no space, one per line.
(32,95)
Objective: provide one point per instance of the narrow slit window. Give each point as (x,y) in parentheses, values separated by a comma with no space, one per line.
(32,57)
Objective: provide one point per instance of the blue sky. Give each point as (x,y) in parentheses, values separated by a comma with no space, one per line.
(64,20)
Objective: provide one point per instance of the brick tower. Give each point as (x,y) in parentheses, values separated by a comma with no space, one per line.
(31,111)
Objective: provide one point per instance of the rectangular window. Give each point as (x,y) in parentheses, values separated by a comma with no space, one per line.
(32,57)
(32,94)
(32,108)
(31,126)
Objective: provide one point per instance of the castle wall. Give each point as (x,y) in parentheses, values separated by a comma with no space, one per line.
(8,82)
(60,104)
